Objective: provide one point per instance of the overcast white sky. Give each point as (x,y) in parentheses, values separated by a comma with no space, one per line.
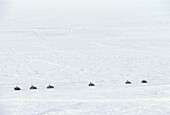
(79,12)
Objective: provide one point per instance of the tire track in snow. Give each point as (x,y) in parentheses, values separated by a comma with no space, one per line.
(100,45)
(57,65)
(162,99)
(51,63)
(76,70)
(39,36)
(134,45)
(43,61)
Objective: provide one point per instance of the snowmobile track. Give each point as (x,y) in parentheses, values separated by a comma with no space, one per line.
(163,99)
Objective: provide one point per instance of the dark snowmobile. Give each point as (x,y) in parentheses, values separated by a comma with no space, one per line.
(50,86)
(144,81)
(127,82)
(17,88)
(91,84)
(33,87)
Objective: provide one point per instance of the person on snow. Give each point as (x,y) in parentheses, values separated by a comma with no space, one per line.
(91,84)
(143,81)
(17,88)
(50,86)
(127,82)
(33,87)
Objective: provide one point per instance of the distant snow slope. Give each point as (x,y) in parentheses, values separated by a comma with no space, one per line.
(70,43)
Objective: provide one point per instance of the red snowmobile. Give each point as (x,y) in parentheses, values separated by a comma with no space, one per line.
(50,86)
(144,81)
(91,84)
(127,82)
(17,88)
(33,87)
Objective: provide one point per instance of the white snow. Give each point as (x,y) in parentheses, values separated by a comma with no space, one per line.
(70,43)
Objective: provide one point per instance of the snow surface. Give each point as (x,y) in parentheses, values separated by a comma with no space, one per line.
(70,43)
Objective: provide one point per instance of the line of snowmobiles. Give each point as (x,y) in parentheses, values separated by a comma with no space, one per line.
(90,84)
(34,87)
(129,82)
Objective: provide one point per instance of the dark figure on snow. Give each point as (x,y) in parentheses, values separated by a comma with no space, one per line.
(91,84)
(33,87)
(17,88)
(50,86)
(144,81)
(127,82)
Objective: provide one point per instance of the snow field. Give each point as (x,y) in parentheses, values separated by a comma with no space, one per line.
(69,44)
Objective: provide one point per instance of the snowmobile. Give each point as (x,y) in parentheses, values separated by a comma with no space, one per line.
(50,86)
(17,88)
(127,82)
(33,87)
(91,84)
(144,81)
